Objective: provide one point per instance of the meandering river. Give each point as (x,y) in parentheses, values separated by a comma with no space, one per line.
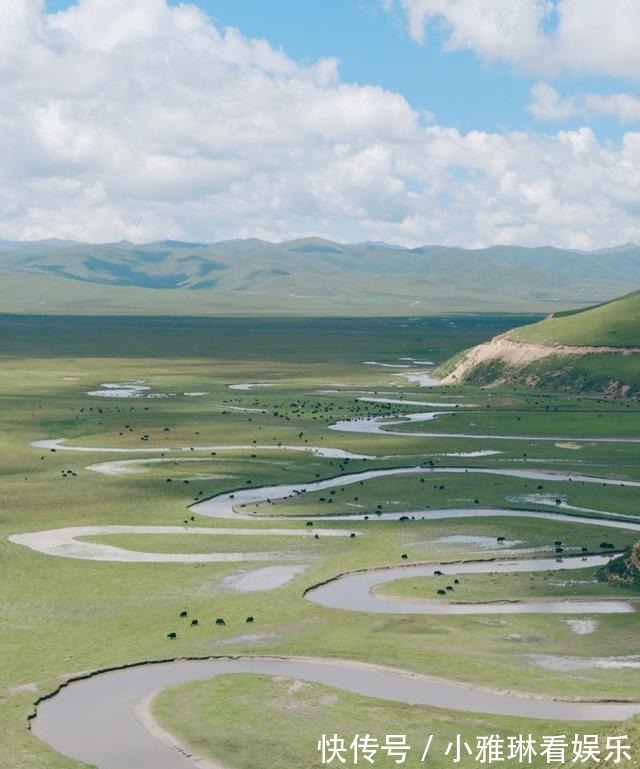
(96,721)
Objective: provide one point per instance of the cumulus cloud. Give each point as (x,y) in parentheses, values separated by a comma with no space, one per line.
(547,104)
(139,120)
(492,28)
(594,36)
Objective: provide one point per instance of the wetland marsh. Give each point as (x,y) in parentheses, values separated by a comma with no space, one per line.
(297,462)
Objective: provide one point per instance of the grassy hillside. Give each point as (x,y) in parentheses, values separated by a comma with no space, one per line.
(601,374)
(615,324)
(309,276)
(533,361)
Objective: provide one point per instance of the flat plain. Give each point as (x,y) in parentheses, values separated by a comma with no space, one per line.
(225,403)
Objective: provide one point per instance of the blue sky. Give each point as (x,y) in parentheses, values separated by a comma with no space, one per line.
(374,47)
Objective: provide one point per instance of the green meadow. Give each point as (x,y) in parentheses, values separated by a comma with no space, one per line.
(206,709)
(62,616)
(507,587)
(613,324)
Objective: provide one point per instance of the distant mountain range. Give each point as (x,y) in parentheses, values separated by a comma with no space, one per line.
(307,276)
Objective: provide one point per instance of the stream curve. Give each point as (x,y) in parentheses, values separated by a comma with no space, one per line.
(94,720)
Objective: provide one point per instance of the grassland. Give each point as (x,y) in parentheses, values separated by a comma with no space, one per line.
(509,587)
(208,715)
(62,616)
(614,324)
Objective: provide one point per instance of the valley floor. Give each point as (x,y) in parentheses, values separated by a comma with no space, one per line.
(145,433)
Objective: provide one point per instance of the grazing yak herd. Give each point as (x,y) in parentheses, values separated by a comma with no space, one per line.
(184,614)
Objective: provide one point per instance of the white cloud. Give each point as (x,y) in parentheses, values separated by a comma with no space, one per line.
(149,122)
(541,36)
(547,104)
(492,28)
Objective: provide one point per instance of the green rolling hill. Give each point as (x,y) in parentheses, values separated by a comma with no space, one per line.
(309,276)
(615,324)
(590,350)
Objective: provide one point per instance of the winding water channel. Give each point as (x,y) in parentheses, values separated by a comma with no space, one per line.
(356,591)
(67,543)
(96,719)
(226,505)
(382,425)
